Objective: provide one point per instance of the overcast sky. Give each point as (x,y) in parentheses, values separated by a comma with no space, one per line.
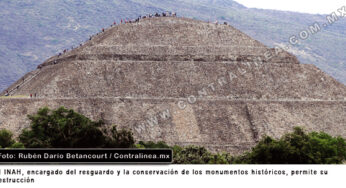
(306,6)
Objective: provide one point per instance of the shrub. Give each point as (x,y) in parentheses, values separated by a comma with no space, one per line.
(198,155)
(152,144)
(7,141)
(6,138)
(17,145)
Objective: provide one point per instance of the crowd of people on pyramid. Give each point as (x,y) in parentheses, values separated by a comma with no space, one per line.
(126,21)
(123,21)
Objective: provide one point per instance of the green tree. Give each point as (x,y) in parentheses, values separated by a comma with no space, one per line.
(297,148)
(120,139)
(62,128)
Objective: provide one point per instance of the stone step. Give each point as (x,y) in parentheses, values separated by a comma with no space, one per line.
(235,80)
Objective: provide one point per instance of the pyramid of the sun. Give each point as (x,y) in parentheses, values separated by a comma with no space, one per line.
(184,82)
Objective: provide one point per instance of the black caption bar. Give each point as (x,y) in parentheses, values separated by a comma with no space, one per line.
(93,156)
